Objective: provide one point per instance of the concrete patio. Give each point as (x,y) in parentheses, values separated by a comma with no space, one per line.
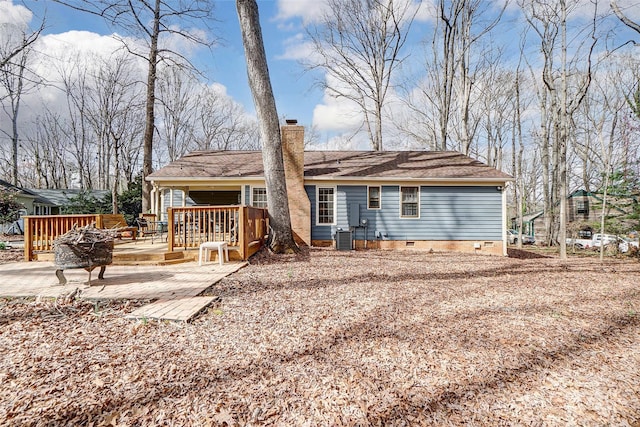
(173,288)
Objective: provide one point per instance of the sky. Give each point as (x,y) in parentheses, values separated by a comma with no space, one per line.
(297,95)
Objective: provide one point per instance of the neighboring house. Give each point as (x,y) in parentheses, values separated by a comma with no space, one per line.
(584,208)
(33,203)
(390,199)
(57,198)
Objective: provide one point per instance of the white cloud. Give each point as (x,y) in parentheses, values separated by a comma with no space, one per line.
(298,48)
(308,10)
(80,42)
(14,14)
(311,11)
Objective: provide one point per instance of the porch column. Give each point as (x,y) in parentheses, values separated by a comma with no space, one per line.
(154,205)
(185,194)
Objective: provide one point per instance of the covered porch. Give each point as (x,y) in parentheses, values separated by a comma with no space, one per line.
(176,239)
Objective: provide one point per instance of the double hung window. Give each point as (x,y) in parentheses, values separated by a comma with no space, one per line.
(409,202)
(259,197)
(373,198)
(326,205)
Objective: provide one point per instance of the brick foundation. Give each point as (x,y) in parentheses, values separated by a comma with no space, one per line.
(488,247)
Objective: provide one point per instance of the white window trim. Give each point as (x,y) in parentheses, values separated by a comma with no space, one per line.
(400,201)
(379,187)
(251,193)
(335,205)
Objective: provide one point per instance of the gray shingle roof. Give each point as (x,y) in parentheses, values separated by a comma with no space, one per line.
(60,197)
(336,165)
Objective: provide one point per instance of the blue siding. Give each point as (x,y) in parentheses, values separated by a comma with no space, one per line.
(323,232)
(446,213)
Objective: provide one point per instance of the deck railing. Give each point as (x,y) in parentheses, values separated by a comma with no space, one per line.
(40,231)
(244,227)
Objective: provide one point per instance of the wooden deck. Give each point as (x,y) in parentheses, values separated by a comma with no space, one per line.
(143,252)
(244,228)
(173,291)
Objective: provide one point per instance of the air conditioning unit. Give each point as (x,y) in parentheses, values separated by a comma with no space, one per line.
(343,240)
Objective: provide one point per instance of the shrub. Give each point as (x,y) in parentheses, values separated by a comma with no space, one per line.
(9,207)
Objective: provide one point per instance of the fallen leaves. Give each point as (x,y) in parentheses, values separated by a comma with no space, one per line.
(342,338)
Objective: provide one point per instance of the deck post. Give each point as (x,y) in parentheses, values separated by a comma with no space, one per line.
(170,228)
(244,245)
(98,220)
(28,239)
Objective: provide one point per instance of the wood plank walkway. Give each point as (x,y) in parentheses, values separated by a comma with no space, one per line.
(180,310)
(174,286)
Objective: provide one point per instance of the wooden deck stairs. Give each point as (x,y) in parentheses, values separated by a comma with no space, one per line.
(161,258)
(130,253)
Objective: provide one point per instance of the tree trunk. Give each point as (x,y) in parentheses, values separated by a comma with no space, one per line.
(147,159)
(281,236)
(564,125)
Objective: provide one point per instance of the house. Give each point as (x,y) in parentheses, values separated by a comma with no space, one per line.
(584,212)
(58,198)
(391,199)
(39,201)
(33,203)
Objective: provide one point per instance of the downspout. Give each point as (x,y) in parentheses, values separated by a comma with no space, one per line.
(504,221)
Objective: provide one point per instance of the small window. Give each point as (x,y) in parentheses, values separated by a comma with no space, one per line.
(582,207)
(374,198)
(259,197)
(409,202)
(326,206)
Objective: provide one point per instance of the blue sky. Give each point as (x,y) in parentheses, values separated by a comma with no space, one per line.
(297,95)
(282,24)
(225,64)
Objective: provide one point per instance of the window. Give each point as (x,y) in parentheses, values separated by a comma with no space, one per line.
(326,206)
(259,197)
(582,207)
(374,198)
(409,202)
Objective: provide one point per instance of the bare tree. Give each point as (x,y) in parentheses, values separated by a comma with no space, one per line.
(453,65)
(624,18)
(222,124)
(12,77)
(9,49)
(45,153)
(177,96)
(151,20)
(16,49)
(359,44)
(549,21)
(113,106)
(83,143)
(281,236)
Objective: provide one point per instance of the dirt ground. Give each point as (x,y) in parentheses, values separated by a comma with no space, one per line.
(343,338)
(10,254)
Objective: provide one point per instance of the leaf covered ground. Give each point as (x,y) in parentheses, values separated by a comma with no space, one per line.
(343,338)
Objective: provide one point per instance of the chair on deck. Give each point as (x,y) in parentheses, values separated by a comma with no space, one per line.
(148,228)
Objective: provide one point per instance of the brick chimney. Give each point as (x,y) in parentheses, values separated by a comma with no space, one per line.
(299,204)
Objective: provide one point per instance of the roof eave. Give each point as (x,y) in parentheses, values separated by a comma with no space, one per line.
(412,179)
